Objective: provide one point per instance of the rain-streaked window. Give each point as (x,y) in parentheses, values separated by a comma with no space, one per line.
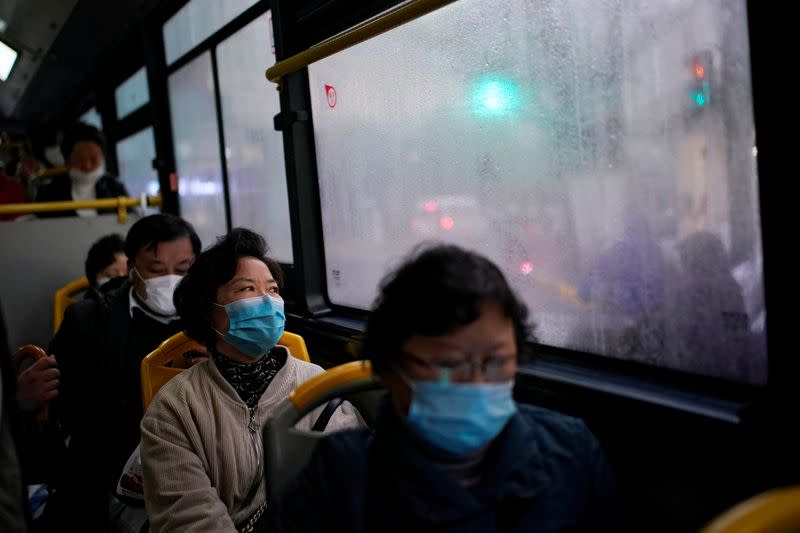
(602,153)
(196,141)
(132,93)
(196,21)
(253,149)
(135,155)
(93,118)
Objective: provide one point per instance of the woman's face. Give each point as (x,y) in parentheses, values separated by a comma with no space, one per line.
(480,352)
(252,279)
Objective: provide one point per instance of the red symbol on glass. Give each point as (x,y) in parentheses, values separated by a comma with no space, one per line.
(330,93)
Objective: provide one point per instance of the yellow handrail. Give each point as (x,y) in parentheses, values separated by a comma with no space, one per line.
(53,171)
(121,203)
(360,33)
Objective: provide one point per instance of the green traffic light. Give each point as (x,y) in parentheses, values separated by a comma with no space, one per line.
(700,95)
(700,99)
(495,96)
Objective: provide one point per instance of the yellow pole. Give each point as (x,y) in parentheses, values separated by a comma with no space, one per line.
(362,32)
(105,203)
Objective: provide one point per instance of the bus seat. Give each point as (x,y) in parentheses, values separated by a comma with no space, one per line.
(773,511)
(24,357)
(169,359)
(287,450)
(296,345)
(65,296)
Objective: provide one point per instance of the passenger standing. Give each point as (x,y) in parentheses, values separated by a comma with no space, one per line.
(84,151)
(201,435)
(714,333)
(98,350)
(451,450)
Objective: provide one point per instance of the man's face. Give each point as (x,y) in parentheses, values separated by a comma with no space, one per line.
(165,258)
(86,156)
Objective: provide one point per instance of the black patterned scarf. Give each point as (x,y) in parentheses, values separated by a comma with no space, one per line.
(250,380)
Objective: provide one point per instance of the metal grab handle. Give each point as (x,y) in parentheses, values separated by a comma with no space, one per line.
(360,33)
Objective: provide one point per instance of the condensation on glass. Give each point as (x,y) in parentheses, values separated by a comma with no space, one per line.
(196,142)
(196,21)
(602,153)
(93,118)
(253,149)
(135,155)
(132,93)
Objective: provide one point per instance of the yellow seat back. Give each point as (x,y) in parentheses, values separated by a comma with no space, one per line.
(65,296)
(774,511)
(170,358)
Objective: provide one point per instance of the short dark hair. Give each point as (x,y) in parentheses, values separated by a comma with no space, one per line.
(212,269)
(151,230)
(437,290)
(101,254)
(81,132)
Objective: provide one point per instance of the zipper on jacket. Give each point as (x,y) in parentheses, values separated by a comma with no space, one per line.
(252,424)
(258,479)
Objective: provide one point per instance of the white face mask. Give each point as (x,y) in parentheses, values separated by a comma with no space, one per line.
(159,293)
(54,156)
(87,178)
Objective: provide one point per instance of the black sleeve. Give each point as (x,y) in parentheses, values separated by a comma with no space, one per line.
(302,505)
(44,194)
(120,187)
(606,512)
(53,192)
(72,347)
(327,494)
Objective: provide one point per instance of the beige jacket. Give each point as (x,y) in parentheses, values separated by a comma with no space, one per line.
(199,458)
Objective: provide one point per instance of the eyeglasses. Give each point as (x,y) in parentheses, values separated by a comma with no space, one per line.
(491,368)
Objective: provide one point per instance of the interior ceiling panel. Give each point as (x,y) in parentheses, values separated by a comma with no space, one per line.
(64,44)
(67,46)
(30,28)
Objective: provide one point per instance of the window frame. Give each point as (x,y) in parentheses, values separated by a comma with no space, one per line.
(571,369)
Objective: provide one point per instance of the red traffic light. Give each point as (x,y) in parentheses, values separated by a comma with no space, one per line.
(699,69)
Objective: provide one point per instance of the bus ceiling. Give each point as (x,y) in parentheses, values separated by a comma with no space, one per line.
(62,47)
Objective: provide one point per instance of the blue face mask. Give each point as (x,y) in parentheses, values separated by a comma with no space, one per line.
(255,324)
(460,418)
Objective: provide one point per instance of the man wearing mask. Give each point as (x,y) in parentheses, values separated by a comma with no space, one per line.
(86,178)
(93,369)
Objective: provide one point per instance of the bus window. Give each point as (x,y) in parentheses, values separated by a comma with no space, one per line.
(135,155)
(132,94)
(253,149)
(196,141)
(93,118)
(196,21)
(602,154)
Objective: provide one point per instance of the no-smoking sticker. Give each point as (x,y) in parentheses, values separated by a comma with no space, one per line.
(330,94)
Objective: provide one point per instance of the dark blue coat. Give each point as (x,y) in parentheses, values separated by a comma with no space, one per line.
(545,472)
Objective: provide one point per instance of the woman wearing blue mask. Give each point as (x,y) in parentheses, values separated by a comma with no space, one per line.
(201,436)
(451,451)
